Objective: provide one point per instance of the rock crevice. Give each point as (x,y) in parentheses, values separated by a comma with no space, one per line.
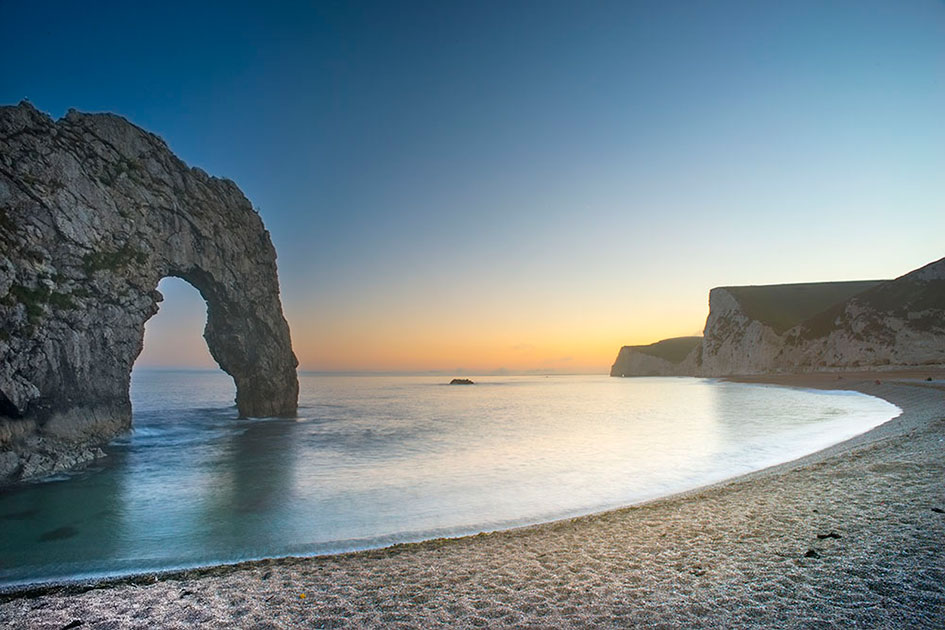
(94,212)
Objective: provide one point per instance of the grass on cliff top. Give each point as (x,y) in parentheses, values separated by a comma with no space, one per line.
(921,302)
(783,306)
(673,350)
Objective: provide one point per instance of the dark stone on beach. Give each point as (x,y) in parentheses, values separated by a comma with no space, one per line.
(811,553)
(59,533)
(830,535)
(928,378)
(75,623)
(461,381)
(938,510)
(267,575)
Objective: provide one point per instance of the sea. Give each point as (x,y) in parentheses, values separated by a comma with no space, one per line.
(375,460)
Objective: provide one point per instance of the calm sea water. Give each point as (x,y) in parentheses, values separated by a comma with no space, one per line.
(375,460)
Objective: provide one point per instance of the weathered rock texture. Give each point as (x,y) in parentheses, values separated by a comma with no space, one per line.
(810,327)
(94,212)
(744,331)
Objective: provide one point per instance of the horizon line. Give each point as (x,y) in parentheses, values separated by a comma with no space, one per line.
(437,372)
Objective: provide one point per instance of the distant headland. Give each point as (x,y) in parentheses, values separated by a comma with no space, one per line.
(814,327)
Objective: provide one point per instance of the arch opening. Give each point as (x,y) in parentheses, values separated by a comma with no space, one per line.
(175,366)
(235,339)
(173,337)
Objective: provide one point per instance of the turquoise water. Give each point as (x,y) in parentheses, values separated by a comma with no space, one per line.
(375,460)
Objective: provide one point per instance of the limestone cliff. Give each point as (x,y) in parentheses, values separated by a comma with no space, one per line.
(94,212)
(812,327)
(745,327)
(669,357)
(898,323)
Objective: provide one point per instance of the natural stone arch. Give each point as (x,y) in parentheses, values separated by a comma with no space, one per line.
(94,212)
(241,343)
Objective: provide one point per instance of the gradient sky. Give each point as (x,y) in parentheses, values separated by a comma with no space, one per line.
(521,185)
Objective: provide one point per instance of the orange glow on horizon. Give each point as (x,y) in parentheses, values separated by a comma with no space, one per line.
(587,345)
(567,340)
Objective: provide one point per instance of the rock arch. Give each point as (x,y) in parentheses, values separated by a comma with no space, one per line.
(94,212)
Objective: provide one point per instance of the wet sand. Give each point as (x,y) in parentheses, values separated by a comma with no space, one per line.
(850,536)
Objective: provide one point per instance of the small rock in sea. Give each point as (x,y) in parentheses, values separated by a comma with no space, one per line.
(928,378)
(938,510)
(461,381)
(811,553)
(830,535)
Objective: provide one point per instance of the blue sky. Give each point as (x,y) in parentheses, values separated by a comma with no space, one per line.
(522,184)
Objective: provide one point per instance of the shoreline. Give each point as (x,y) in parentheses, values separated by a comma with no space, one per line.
(82,584)
(497,553)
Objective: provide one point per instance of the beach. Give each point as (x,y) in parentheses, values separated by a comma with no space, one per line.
(849,536)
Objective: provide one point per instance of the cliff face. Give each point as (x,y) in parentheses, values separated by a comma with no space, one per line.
(747,326)
(94,212)
(898,323)
(734,343)
(632,363)
(811,327)
(669,357)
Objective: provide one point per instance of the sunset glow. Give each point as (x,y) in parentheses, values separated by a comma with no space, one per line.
(527,206)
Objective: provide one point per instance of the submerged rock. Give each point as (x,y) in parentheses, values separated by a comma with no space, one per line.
(60,533)
(94,212)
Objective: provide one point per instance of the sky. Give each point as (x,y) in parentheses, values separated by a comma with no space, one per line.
(520,186)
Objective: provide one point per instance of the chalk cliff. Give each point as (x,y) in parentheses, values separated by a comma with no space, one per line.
(812,327)
(94,212)
(669,357)
(744,332)
(895,324)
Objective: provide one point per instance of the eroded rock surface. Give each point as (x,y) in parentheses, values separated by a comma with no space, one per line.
(94,212)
